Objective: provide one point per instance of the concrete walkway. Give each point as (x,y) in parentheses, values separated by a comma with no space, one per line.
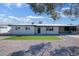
(71,36)
(75,36)
(9,46)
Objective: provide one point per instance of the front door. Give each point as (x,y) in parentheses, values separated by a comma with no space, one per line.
(39,30)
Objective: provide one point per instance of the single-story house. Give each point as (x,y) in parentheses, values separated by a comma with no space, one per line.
(39,29)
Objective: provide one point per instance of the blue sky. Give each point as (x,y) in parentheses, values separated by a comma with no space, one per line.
(20,12)
(14,9)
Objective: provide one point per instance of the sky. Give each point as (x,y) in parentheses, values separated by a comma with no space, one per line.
(15,9)
(21,13)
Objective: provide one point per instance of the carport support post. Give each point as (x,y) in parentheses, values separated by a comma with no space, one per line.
(70,30)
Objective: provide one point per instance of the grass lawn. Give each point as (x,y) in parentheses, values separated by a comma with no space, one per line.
(33,38)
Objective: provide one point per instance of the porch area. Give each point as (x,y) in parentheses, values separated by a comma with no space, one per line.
(69,30)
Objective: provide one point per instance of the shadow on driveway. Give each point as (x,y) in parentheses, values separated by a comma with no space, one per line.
(46,50)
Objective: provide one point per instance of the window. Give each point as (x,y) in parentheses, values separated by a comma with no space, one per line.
(17,27)
(27,28)
(49,28)
(73,28)
(66,29)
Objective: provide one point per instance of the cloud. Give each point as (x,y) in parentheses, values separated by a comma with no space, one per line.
(26,5)
(22,5)
(13,17)
(4,19)
(35,17)
(9,19)
(18,5)
(61,12)
(22,20)
(65,8)
(62,15)
(16,20)
(8,5)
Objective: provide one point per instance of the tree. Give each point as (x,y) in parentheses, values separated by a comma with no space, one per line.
(50,9)
(74,10)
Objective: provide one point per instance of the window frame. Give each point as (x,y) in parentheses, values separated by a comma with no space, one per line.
(18,27)
(27,28)
(49,28)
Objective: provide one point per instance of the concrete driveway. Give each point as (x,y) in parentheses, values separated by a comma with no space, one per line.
(9,46)
(75,36)
(3,37)
(71,36)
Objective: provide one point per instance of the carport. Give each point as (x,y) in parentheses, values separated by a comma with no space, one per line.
(68,30)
